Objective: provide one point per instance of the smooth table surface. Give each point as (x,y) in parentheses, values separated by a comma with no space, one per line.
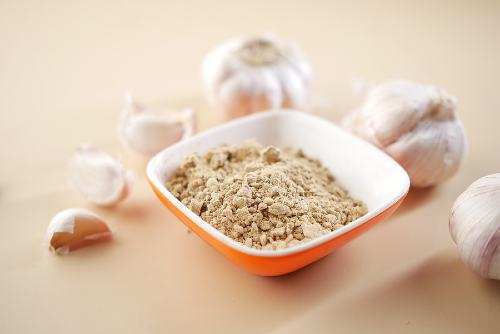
(64,68)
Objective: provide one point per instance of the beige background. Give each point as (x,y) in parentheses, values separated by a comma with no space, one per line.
(64,67)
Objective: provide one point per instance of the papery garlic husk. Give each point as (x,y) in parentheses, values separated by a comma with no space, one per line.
(475,226)
(250,74)
(75,228)
(415,124)
(148,131)
(99,177)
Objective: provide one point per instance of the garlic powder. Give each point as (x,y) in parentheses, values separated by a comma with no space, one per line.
(264,197)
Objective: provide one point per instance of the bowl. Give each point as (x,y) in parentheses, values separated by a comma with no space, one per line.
(364,170)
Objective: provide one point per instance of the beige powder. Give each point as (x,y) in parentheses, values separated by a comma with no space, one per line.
(266,198)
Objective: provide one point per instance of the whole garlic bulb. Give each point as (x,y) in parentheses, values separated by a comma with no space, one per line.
(475,226)
(99,177)
(246,75)
(415,124)
(148,131)
(74,228)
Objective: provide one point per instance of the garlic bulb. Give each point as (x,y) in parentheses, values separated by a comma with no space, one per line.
(148,132)
(246,75)
(99,177)
(415,124)
(75,228)
(475,226)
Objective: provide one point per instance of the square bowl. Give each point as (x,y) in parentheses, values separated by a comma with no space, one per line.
(366,172)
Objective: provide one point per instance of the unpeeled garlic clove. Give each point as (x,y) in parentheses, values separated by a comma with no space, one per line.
(75,228)
(99,177)
(246,75)
(475,226)
(415,124)
(148,132)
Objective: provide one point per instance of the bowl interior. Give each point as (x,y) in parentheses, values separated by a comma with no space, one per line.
(366,172)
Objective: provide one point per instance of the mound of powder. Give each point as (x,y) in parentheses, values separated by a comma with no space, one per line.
(266,198)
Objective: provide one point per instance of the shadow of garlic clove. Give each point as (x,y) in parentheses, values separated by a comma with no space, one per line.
(475,226)
(148,131)
(246,75)
(100,178)
(74,228)
(415,124)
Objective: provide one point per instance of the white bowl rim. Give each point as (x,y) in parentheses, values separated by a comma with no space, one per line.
(150,172)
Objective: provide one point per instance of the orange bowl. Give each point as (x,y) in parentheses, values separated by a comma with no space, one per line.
(368,173)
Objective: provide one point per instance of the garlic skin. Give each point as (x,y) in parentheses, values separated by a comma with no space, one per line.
(416,125)
(475,226)
(250,74)
(148,132)
(75,228)
(100,178)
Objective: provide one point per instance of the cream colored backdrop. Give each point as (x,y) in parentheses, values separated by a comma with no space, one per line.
(64,66)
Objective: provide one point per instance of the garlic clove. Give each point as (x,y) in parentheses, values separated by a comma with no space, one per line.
(148,132)
(294,90)
(415,124)
(247,75)
(75,228)
(219,65)
(355,123)
(428,145)
(250,92)
(475,226)
(295,57)
(99,177)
